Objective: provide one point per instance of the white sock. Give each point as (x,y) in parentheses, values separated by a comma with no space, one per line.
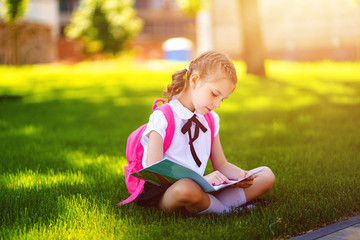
(215,206)
(232,197)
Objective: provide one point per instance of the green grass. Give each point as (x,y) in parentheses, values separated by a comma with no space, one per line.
(63,131)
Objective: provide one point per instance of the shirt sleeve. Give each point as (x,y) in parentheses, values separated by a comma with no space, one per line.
(158,123)
(217,122)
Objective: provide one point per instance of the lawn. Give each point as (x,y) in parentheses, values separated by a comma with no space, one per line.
(63,131)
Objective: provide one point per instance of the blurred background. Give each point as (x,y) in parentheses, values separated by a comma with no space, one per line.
(69,31)
(78,76)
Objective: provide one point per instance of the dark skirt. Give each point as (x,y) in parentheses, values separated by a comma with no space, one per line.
(151,195)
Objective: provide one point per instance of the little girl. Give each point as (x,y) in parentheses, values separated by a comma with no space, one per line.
(195,91)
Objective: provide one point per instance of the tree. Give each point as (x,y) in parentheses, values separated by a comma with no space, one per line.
(199,9)
(12,11)
(253,45)
(104,25)
(192,7)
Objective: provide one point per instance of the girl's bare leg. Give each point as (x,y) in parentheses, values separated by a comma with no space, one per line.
(263,182)
(184,193)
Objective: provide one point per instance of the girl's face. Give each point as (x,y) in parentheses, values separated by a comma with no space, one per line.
(207,94)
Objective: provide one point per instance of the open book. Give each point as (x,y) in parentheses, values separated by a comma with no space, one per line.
(167,171)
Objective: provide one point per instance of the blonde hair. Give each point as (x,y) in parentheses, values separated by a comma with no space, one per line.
(209,63)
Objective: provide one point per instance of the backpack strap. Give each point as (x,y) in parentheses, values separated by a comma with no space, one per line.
(211,122)
(155,106)
(135,194)
(169,115)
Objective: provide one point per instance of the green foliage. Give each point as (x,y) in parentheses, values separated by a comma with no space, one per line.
(104,26)
(14,9)
(192,7)
(63,131)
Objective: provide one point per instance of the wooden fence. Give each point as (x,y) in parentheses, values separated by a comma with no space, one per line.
(25,43)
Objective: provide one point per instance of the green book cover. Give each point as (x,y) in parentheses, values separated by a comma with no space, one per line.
(167,171)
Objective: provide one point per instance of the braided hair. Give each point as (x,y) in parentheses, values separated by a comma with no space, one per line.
(209,63)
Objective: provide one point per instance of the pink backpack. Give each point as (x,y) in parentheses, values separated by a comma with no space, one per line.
(135,150)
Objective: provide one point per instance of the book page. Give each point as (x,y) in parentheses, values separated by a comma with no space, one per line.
(170,171)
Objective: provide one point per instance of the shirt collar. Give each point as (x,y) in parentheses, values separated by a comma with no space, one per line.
(180,110)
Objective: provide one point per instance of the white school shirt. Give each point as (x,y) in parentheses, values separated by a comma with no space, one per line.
(179,149)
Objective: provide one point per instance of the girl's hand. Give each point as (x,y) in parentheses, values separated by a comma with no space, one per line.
(245,183)
(216,178)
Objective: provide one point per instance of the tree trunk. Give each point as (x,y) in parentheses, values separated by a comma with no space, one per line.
(16,45)
(12,56)
(253,45)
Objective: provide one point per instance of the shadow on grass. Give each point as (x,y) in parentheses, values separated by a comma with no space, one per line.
(8,98)
(55,139)
(38,136)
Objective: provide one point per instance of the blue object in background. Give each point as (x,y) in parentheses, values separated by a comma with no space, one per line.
(178,55)
(177,49)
